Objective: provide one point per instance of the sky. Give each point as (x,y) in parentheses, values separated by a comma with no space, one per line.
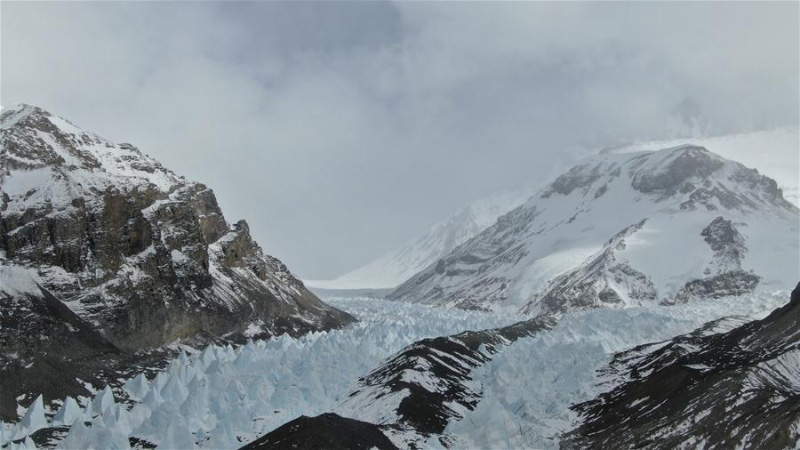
(341,130)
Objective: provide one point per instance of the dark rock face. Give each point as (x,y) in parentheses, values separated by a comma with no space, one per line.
(328,431)
(739,388)
(582,176)
(726,241)
(44,347)
(141,255)
(691,162)
(727,284)
(726,277)
(433,375)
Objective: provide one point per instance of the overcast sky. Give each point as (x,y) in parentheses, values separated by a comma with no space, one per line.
(342,130)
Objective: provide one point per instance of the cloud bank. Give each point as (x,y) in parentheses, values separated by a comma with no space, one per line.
(340,130)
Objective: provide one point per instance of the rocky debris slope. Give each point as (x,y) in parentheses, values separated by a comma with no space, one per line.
(415,394)
(139,254)
(624,229)
(328,431)
(731,389)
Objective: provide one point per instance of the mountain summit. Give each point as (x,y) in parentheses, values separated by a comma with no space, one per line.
(623,229)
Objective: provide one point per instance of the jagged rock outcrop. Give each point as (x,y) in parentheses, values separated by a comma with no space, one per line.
(731,389)
(140,254)
(622,229)
(724,274)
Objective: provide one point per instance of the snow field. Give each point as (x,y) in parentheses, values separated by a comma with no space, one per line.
(223,397)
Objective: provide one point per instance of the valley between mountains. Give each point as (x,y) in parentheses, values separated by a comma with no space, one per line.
(645,298)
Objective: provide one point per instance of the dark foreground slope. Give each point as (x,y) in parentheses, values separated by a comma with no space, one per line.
(326,431)
(729,390)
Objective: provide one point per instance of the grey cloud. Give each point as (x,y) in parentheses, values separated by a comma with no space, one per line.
(342,129)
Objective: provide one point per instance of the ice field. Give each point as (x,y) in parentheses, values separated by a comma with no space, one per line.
(224,397)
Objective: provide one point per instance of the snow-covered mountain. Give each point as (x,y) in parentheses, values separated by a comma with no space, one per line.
(622,229)
(102,246)
(397,266)
(773,152)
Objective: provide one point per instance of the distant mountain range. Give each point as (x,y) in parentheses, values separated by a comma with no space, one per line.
(773,152)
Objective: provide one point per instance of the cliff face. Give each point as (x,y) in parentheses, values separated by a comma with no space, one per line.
(129,246)
(139,254)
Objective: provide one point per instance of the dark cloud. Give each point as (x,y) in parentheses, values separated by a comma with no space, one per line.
(342,129)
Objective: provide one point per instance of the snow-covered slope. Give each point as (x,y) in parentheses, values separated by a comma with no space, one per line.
(397,266)
(622,229)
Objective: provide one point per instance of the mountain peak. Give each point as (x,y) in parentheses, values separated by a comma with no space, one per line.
(690,175)
(556,245)
(45,157)
(20,114)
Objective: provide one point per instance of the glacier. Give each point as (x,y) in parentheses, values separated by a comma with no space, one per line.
(529,387)
(224,397)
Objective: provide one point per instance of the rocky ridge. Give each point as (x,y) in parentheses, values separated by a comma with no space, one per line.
(725,385)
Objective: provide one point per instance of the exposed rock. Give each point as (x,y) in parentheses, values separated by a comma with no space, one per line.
(727,244)
(328,431)
(726,277)
(44,348)
(728,284)
(690,162)
(602,282)
(139,254)
(425,386)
